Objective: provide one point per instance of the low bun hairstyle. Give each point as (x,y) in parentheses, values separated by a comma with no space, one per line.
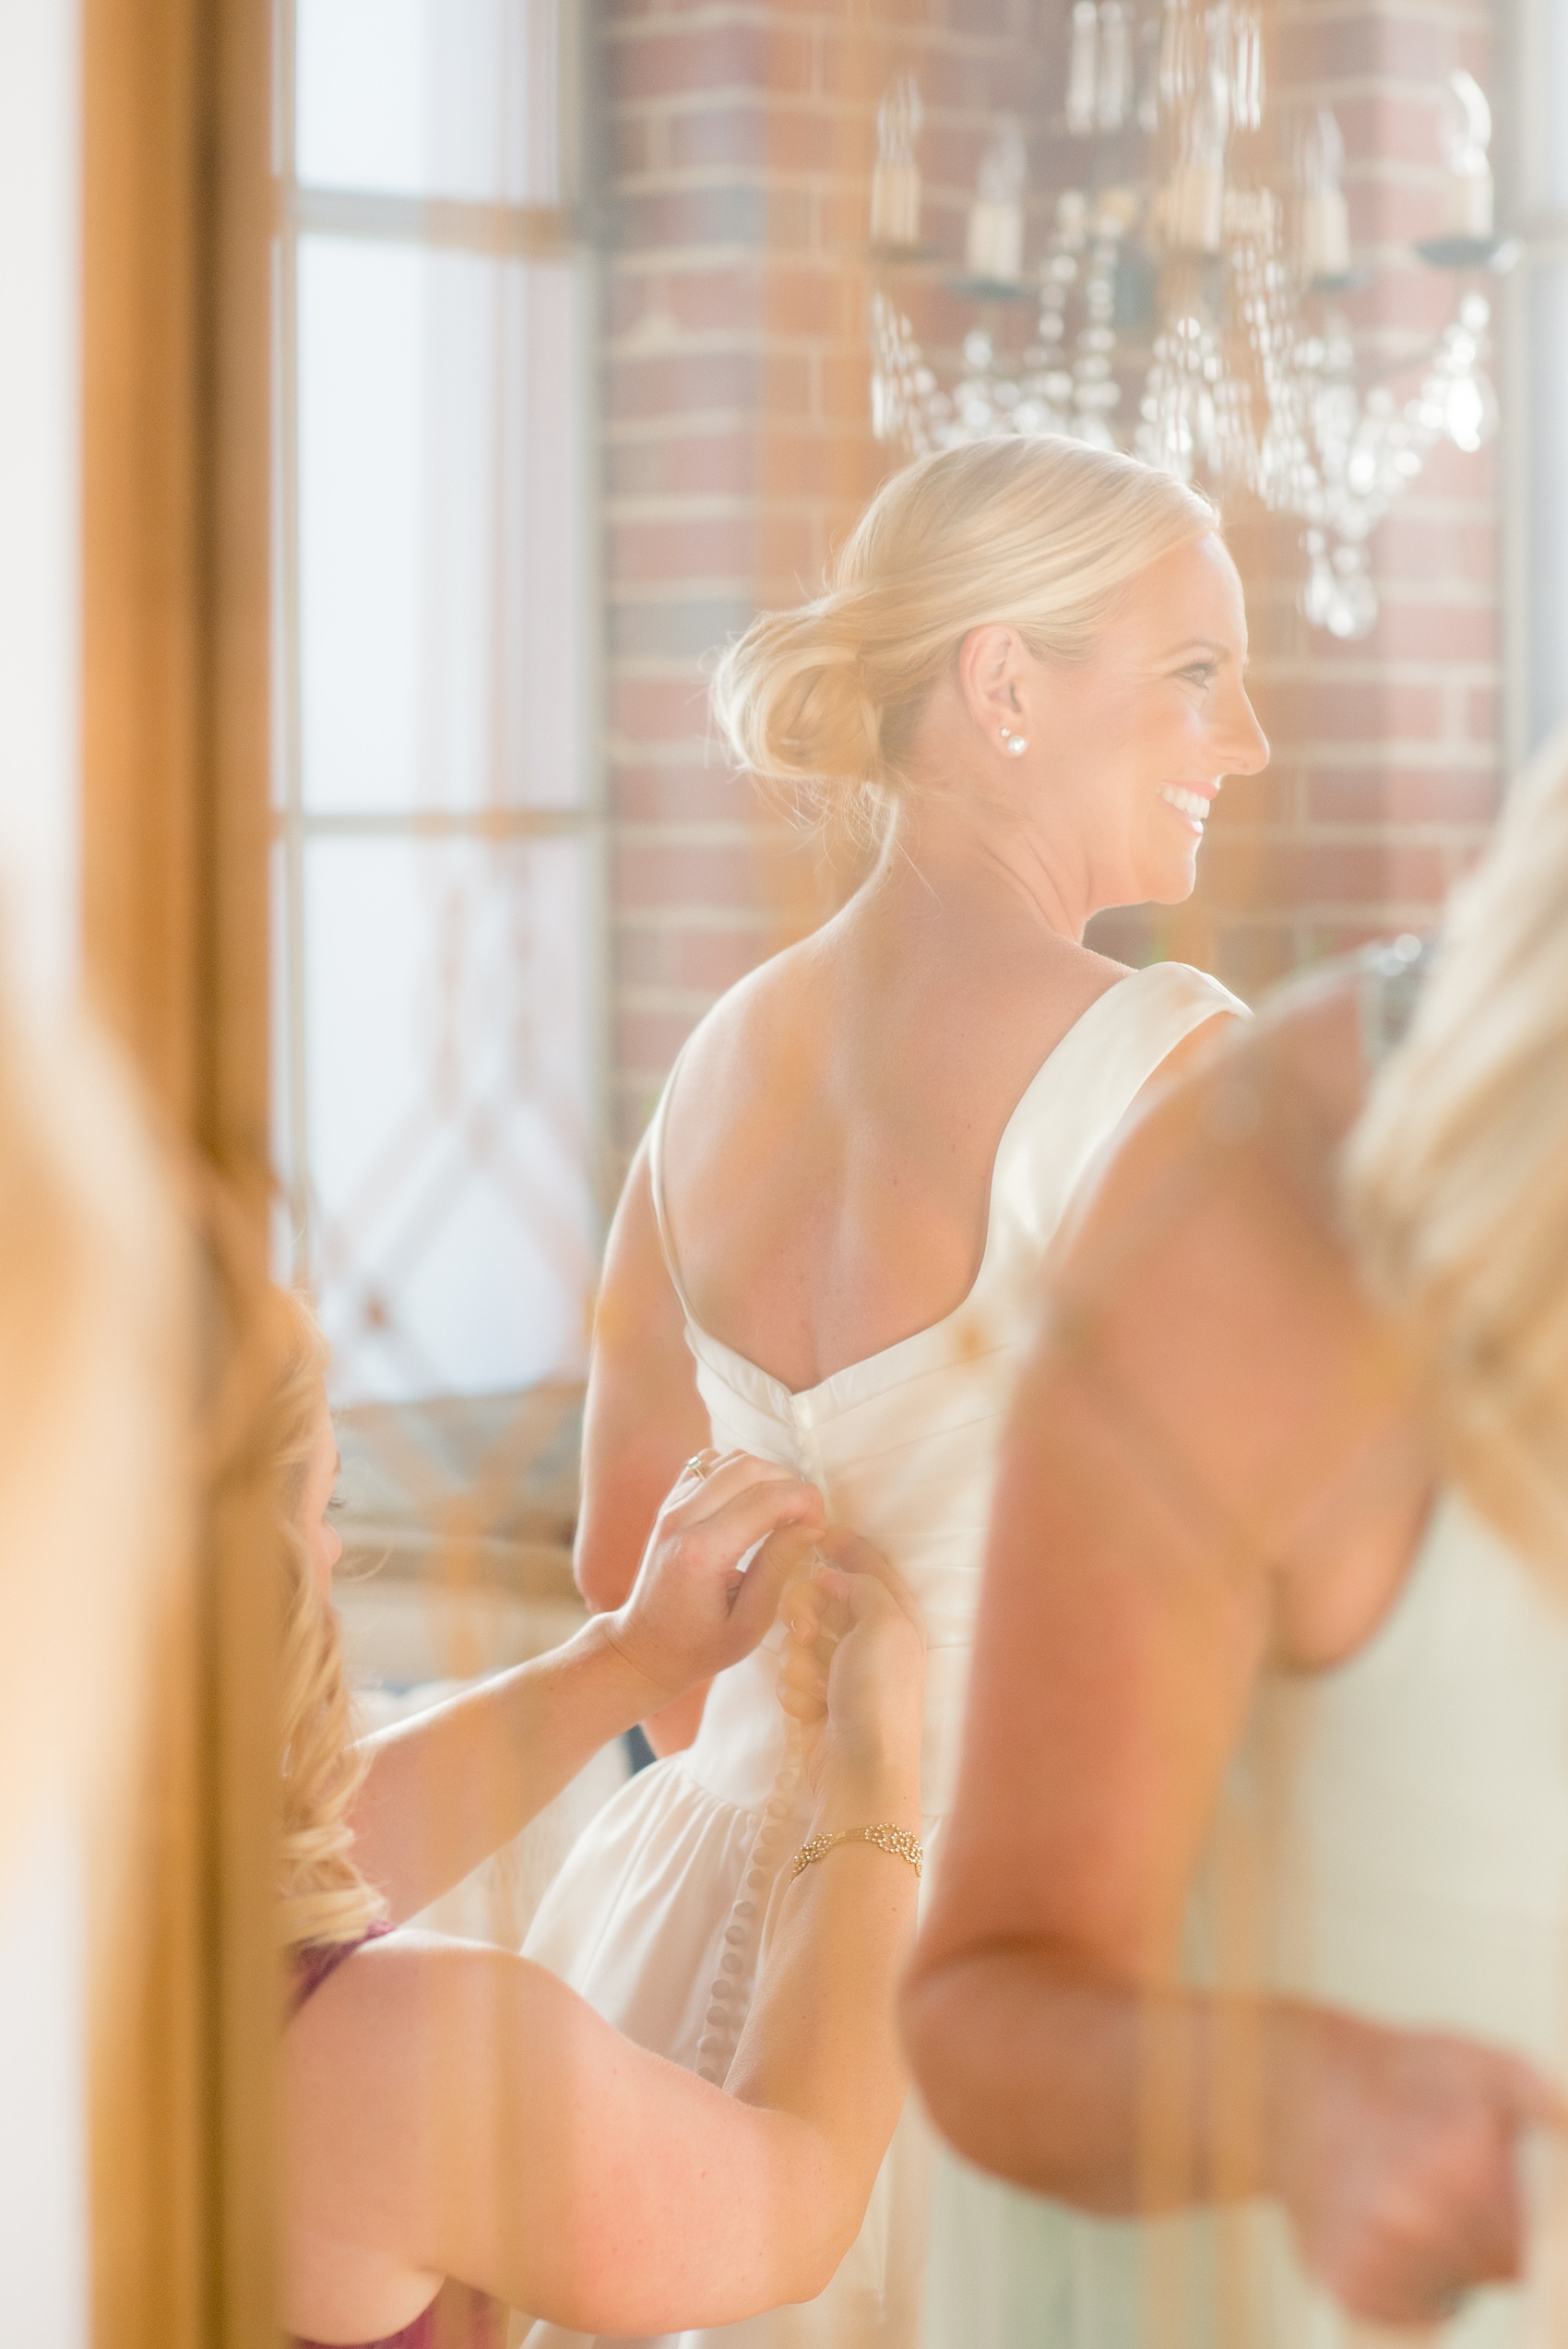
(1039,535)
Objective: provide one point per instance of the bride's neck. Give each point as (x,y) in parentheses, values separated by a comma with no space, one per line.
(970,860)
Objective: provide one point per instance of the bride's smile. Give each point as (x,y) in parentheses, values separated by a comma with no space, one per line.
(1192,803)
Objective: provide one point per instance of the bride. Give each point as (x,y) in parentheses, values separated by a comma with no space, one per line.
(1027,674)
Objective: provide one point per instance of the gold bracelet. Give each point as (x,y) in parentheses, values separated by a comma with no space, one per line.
(896,1840)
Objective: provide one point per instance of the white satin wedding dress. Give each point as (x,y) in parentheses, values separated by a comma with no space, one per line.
(656,1915)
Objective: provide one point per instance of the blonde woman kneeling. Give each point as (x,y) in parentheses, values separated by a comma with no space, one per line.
(1028,671)
(456,2116)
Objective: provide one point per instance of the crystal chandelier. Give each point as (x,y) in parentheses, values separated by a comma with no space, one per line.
(1185,308)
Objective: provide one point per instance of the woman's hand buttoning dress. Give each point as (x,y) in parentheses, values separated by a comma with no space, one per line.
(463,2135)
(1026,677)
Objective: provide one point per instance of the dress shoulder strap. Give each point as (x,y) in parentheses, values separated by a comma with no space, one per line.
(656,1185)
(1149,1014)
(1080,1095)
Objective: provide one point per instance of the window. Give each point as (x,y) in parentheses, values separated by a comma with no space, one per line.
(1540,305)
(436,804)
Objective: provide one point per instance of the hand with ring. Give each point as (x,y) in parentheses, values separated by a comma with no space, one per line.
(699,1604)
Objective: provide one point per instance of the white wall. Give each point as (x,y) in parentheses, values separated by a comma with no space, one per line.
(38,484)
(43,2236)
(43,2293)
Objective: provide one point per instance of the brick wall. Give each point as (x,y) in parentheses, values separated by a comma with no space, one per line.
(738,141)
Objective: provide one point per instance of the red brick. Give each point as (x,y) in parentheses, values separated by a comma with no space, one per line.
(659,218)
(799,300)
(732,546)
(784,137)
(1343,710)
(658,710)
(670,63)
(1410,49)
(824,302)
(685,383)
(1250,800)
(1482,716)
(718,464)
(844,387)
(1012,18)
(663,873)
(843,223)
(1304,871)
(629,146)
(682,550)
(1448,632)
(628,302)
(732,296)
(1251,957)
(1403,794)
(646,1042)
(683,625)
(1455,473)
(1415,546)
(703,960)
(1385,119)
(691,791)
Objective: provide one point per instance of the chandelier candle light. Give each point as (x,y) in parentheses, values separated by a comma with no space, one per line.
(1187,309)
(1325,219)
(896,183)
(995,247)
(1467,136)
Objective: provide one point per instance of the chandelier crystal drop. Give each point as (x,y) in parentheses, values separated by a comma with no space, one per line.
(1189,311)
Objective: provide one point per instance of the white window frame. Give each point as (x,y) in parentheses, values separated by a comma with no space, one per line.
(553,232)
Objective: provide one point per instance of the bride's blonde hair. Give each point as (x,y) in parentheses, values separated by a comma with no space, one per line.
(1456,1174)
(322,1896)
(1040,535)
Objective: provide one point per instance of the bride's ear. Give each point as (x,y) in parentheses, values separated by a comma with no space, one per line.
(992,665)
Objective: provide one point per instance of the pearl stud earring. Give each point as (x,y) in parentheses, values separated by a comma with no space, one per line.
(1013,745)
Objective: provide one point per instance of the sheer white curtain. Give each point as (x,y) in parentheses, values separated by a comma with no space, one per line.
(436,837)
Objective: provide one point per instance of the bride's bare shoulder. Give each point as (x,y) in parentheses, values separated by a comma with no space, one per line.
(862,995)
(759,1029)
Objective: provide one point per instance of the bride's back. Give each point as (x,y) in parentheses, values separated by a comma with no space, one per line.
(1025,679)
(832,1128)
(1028,674)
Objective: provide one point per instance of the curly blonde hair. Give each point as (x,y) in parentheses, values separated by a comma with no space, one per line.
(1040,535)
(322,1896)
(1455,1179)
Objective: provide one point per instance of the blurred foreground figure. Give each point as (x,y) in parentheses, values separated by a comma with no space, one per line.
(462,2133)
(95,1289)
(1257,1882)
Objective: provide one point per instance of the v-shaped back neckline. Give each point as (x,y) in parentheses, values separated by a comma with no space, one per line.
(792,1402)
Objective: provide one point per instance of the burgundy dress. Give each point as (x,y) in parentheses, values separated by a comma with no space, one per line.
(480,2327)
